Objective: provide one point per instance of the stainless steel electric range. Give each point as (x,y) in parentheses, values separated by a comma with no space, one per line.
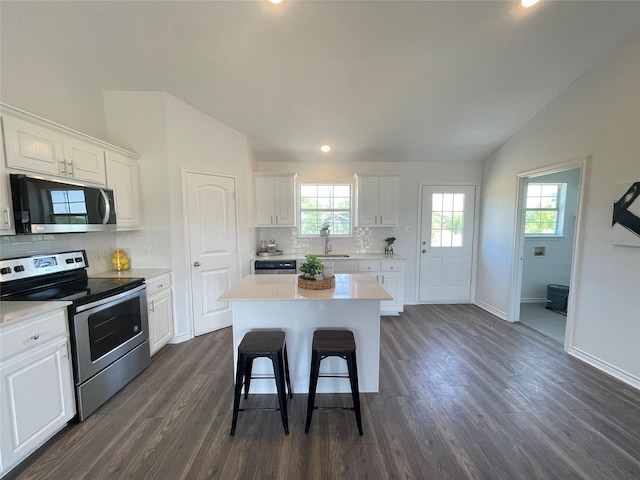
(107,319)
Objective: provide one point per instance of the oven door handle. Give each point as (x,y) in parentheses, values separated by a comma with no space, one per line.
(112,299)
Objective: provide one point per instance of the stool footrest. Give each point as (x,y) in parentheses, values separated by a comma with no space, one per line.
(334,408)
(259,409)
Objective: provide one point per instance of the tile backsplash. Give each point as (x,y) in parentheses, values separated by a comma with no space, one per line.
(363,240)
(143,248)
(99,246)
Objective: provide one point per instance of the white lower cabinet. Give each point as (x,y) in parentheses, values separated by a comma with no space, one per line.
(160,310)
(390,274)
(36,394)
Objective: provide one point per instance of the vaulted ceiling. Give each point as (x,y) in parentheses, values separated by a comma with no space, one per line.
(378,80)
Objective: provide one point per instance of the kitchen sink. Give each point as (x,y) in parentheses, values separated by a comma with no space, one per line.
(330,255)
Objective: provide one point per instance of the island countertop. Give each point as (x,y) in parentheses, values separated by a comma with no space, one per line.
(357,286)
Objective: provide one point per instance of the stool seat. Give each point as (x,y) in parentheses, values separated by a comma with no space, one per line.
(262,343)
(333,343)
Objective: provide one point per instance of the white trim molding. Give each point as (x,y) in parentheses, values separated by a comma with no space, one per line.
(606,367)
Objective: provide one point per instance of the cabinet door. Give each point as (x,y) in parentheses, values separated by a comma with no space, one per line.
(33,147)
(388,200)
(122,178)
(367,201)
(36,398)
(6,211)
(160,309)
(378,200)
(284,205)
(393,283)
(84,161)
(264,201)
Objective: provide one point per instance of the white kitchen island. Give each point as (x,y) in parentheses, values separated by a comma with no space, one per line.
(276,302)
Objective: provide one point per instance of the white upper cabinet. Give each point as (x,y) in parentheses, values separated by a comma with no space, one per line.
(123,179)
(84,161)
(378,198)
(6,212)
(275,200)
(36,146)
(33,147)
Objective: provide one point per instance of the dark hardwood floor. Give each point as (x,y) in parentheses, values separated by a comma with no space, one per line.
(462,395)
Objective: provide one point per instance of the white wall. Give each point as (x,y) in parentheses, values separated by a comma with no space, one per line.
(412,175)
(172,136)
(597,116)
(555,266)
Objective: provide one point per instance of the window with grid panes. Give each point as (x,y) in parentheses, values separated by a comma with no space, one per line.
(325,205)
(544,204)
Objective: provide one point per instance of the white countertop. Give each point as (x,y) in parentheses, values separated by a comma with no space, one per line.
(358,286)
(10,311)
(337,256)
(132,273)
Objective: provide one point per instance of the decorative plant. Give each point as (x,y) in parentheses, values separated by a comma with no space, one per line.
(390,241)
(325,226)
(312,267)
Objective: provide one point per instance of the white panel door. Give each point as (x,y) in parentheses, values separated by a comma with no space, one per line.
(211,211)
(446,240)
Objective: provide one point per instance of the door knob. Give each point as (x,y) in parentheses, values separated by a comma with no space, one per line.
(196,264)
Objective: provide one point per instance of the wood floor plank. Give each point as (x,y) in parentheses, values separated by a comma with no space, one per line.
(463,395)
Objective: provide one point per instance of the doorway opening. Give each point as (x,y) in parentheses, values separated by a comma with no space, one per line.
(547,231)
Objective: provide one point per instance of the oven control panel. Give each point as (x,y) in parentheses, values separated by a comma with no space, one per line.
(36,265)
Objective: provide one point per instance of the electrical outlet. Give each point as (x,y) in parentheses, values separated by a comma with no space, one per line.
(408,230)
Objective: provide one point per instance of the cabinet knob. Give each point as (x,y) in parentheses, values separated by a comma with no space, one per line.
(196,264)
(424,251)
(35,337)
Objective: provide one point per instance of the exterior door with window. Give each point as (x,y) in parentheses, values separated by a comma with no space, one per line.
(446,240)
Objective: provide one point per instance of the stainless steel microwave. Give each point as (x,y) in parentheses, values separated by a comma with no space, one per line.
(47,206)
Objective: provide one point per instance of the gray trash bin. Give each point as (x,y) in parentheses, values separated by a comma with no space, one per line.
(557,297)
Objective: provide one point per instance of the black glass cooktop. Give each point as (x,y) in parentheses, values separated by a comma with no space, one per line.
(81,291)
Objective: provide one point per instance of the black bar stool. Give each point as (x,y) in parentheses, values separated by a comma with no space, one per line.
(262,343)
(333,343)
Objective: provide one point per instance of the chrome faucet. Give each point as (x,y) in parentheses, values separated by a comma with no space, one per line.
(327,246)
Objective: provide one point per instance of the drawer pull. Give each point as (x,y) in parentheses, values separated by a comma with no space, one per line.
(35,337)
(160,286)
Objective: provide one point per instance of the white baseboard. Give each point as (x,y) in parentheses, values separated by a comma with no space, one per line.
(180,339)
(606,367)
(533,300)
(498,313)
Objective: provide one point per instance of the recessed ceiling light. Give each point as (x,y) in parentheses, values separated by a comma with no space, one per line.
(325,148)
(528,3)
(275,2)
